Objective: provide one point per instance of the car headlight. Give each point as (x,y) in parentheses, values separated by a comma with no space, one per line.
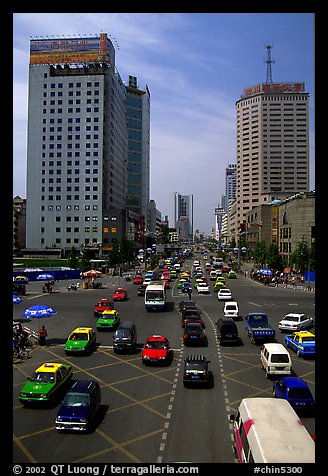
(59,419)
(83,420)
(43,395)
(145,357)
(24,395)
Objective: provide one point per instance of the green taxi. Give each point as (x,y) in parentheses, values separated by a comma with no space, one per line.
(46,384)
(219,284)
(81,341)
(232,275)
(108,321)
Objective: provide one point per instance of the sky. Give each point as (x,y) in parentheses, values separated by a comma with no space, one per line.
(196,66)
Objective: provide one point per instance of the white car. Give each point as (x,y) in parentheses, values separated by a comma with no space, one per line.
(231,309)
(203,288)
(224,294)
(295,322)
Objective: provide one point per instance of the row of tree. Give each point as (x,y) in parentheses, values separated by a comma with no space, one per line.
(302,259)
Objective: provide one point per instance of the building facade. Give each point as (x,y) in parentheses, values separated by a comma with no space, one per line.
(272,146)
(138,120)
(183,206)
(77,151)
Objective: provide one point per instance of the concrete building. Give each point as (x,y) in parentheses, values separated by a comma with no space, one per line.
(77,151)
(272,146)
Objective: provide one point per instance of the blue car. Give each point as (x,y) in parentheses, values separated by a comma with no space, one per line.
(296,391)
(302,342)
(79,407)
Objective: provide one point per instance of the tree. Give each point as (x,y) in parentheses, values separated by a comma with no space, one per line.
(303,256)
(260,253)
(85,260)
(73,258)
(274,259)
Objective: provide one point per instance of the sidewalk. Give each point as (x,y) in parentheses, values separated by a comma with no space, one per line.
(249,266)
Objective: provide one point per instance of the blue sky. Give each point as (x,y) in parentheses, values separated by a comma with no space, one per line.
(196,66)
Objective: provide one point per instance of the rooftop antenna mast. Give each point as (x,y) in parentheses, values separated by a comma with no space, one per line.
(269,62)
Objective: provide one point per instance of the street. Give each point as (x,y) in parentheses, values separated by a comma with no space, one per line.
(147,416)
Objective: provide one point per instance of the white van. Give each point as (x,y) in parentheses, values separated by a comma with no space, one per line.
(275,359)
(231,309)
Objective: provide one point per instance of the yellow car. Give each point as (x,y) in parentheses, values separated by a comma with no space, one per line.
(47,382)
(81,340)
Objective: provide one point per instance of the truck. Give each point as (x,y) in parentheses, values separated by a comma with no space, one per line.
(258,327)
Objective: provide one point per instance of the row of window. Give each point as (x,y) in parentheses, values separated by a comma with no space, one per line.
(70,85)
(51,198)
(69,207)
(69,110)
(76,229)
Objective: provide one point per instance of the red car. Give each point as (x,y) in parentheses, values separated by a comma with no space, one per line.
(103,305)
(120,294)
(156,350)
(137,279)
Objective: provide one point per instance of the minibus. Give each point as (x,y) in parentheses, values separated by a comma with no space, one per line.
(268,430)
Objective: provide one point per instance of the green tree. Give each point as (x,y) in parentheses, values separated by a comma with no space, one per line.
(260,253)
(85,260)
(303,257)
(73,258)
(274,259)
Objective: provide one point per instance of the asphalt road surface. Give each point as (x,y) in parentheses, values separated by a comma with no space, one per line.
(147,416)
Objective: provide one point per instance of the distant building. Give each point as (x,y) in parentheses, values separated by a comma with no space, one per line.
(183,206)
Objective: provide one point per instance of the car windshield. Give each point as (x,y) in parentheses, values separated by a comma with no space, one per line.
(299,393)
(291,318)
(79,336)
(76,400)
(43,377)
(155,345)
(308,339)
(155,295)
(195,366)
(103,304)
(229,328)
(279,358)
(231,307)
(122,333)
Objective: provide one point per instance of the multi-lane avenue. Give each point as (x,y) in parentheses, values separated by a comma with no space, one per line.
(147,415)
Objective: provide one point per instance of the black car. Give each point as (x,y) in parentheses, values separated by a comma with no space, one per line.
(194,334)
(196,371)
(185,287)
(142,289)
(191,315)
(227,331)
(79,406)
(183,305)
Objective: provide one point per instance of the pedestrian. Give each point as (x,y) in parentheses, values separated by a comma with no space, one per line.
(42,335)
(189,293)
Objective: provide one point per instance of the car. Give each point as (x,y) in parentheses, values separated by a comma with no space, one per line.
(138,279)
(232,275)
(303,342)
(182,281)
(79,407)
(197,281)
(142,289)
(224,294)
(194,334)
(196,370)
(296,391)
(108,321)
(125,338)
(184,305)
(231,309)
(167,283)
(49,381)
(103,305)
(225,269)
(185,287)
(219,285)
(191,315)
(156,350)
(227,331)
(295,322)
(203,288)
(120,294)
(81,340)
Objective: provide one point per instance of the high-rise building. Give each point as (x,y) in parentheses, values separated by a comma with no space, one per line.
(138,120)
(272,145)
(183,206)
(230,185)
(77,150)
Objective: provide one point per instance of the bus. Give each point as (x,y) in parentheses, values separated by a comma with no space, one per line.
(268,430)
(155,296)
